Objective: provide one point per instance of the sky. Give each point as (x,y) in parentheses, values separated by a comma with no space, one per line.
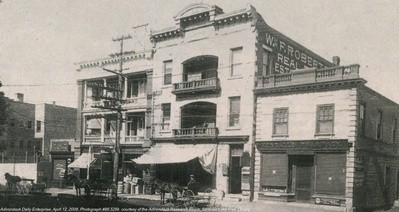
(40,40)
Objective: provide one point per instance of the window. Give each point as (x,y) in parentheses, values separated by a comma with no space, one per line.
(266,63)
(325,119)
(394,127)
(135,126)
(236,61)
(113,85)
(94,90)
(280,121)
(29,125)
(38,126)
(110,126)
(362,118)
(234,116)
(136,88)
(93,126)
(167,72)
(165,116)
(379,125)
(12,122)
(21,144)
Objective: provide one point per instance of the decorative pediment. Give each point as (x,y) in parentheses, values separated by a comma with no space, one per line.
(195,9)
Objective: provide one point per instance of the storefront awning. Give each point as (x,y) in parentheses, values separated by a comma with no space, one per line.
(83,161)
(174,153)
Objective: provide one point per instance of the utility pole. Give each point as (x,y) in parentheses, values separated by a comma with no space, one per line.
(115,102)
(119,108)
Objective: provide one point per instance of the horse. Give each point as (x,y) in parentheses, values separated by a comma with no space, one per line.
(12,182)
(78,184)
(165,187)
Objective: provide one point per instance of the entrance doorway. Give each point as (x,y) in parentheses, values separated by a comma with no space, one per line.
(302,178)
(235,168)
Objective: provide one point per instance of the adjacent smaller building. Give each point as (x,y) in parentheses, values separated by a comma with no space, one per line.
(324,137)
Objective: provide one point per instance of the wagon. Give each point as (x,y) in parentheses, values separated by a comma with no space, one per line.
(28,186)
(189,199)
(103,187)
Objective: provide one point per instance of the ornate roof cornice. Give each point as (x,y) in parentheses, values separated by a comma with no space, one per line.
(144,55)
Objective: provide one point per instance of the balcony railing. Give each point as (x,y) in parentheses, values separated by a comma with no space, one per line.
(309,76)
(92,139)
(133,139)
(210,84)
(91,103)
(195,132)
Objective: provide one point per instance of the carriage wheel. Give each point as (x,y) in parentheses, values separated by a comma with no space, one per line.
(112,195)
(188,197)
(95,188)
(211,197)
(175,196)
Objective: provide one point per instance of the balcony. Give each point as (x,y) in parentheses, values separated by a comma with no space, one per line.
(308,76)
(135,102)
(196,132)
(211,85)
(133,139)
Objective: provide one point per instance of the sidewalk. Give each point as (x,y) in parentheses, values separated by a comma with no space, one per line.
(227,205)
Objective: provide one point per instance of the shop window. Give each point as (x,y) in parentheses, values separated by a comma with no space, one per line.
(325,119)
(234,116)
(167,72)
(394,128)
(165,116)
(330,173)
(379,125)
(274,172)
(362,119)
(280,121)
(236,61)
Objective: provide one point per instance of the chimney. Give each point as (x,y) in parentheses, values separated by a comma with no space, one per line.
(19,97)
(336,60)
(53,102)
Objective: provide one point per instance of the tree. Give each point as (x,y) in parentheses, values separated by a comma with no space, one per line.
(3,107)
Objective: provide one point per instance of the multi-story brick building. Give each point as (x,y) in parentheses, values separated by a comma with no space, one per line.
(17,135)
(27,131)
(54,122)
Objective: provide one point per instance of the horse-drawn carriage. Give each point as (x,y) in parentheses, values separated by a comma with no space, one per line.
(18,185)
(93,187)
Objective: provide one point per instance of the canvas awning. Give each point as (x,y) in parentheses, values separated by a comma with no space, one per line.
(83,161)
(180,153)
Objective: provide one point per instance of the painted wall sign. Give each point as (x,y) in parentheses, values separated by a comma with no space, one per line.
(59,146)
(288,57)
